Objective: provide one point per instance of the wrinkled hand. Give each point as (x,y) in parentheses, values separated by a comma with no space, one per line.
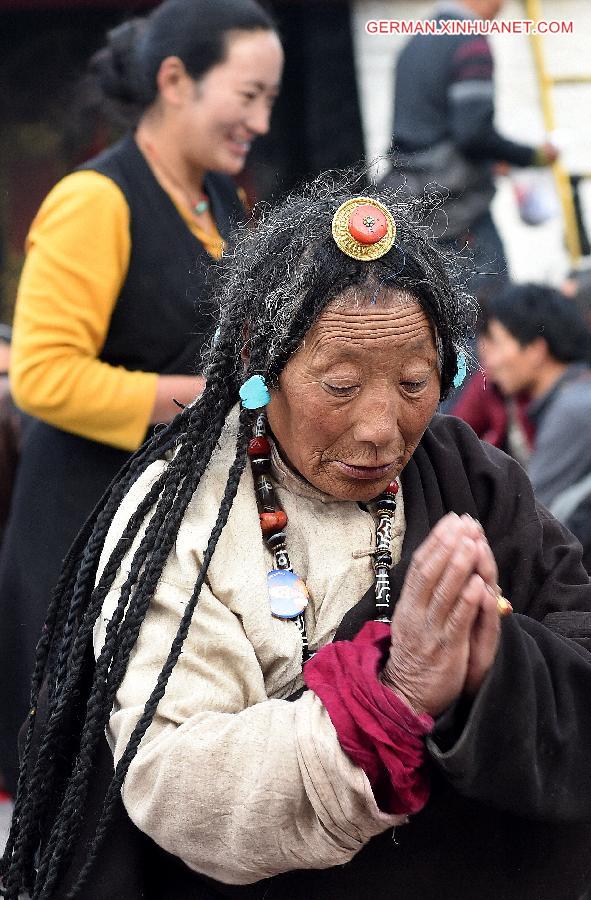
(445,628)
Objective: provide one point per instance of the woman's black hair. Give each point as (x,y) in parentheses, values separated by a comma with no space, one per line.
(276,280)
(194,30)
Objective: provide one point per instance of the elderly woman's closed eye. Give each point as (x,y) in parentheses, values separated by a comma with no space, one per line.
(296,594)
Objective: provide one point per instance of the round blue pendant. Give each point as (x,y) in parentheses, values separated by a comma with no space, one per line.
(288,595)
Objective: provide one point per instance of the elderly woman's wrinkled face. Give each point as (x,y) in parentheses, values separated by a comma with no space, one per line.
(355,399)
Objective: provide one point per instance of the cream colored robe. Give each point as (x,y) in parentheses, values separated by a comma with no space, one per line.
(231,777)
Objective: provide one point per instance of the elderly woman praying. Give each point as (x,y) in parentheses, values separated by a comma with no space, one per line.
(307,680)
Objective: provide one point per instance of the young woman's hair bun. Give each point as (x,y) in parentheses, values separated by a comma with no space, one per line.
(118,71)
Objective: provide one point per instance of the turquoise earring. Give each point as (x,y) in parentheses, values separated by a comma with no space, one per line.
(254,393)
(461,370)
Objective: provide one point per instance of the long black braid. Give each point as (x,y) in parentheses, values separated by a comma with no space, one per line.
(78,571)
(276,280)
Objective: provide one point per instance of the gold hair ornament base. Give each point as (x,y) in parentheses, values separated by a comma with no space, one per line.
(363,228)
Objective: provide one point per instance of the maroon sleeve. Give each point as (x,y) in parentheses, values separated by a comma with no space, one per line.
(482,407)
(374,726)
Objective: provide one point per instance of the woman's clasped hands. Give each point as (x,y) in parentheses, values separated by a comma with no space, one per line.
(445,628)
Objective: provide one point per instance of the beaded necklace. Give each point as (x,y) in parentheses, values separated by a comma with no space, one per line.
(198,203)
(288,595)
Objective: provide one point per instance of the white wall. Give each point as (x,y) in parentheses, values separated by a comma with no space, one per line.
(533,252)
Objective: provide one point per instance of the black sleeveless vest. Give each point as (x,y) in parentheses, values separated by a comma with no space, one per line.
(163,313)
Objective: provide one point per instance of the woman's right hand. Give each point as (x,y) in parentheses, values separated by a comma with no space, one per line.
(182,388)
(450,583)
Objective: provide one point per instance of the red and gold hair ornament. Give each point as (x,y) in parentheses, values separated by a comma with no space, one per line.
(363,228)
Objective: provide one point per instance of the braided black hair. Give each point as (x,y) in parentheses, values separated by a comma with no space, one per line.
(276,280)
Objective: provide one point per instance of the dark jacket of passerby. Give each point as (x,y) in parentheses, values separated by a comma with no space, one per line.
(444,128)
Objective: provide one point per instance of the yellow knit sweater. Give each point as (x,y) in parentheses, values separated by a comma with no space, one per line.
(78,251)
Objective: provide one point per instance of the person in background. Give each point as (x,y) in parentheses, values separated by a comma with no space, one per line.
(501,421)
(113,305)
(539,342)
(444,132)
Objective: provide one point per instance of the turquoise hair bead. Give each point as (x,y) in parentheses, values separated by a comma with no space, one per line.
(461,371)
(254,393)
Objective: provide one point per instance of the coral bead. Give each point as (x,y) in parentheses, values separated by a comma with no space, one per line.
(258,446)
(367,224)
(392,488)
(272,521)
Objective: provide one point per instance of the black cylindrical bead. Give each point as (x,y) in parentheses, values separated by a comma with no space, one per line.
(382,592)
(275,540)
(301,623)
(282,559)
(260,465)
(260,427)
(383,558)
(384,541)
(264,492)
(384,533)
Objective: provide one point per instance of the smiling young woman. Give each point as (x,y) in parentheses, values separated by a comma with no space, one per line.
(209,123)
